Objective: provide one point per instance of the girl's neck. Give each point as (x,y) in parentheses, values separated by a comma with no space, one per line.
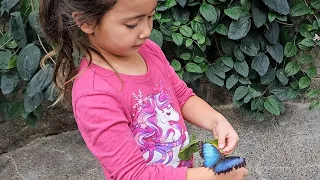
(129,65)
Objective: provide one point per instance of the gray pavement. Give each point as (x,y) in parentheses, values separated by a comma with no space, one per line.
(279,148)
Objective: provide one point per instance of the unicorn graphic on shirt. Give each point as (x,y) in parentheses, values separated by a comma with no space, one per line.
(158,132)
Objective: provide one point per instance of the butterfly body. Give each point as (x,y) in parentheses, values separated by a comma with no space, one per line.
(219,163)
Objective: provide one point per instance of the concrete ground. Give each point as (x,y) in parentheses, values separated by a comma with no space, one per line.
(279,148)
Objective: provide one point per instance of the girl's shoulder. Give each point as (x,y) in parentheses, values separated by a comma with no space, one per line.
(151,47)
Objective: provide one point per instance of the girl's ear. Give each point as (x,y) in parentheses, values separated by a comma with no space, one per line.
(87,28)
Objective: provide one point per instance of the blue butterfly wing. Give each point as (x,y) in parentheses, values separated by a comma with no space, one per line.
(229,163)
(211,155)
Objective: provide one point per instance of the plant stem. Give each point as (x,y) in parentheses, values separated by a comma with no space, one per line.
(287,24)
(6,43)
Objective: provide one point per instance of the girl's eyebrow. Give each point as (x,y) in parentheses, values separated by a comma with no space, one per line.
(138,16)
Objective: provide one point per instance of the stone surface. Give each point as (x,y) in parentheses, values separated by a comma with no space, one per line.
(285,148)
(17,133)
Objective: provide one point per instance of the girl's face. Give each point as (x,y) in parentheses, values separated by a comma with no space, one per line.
(123,29)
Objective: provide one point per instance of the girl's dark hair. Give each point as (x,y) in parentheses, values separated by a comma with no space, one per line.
(61,30)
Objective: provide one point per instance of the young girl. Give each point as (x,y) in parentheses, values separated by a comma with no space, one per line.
(127,100)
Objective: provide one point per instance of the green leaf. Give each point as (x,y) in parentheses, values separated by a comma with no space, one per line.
(209,12)
(305,30)
(246,4)
(170,3)
(276,51)
(280,6)
(300,9)
(186,31)
(240,92)
(313,94)
(17,29)
(227,46)
(219,71)
(261,64)
(312,72)
(304,82)
(186,56)
(213,77)
(257,104)
(222,29)
(314,105)
(231,81)
(272,33)
(236,12)
(177,38)
(307,42)
(200,38)
(198,59)
(34,21)
(228,61)
(248,47)
(238,53)
(291,94)
(51,93)
(272,16)
(5,58)
(189,42)
(239,29)
(242,68)
(31,120)
(40,81)
(182,2)
(9,81)
(269,77)
(244,81)
(157,37)
(187,152)
(197,26)
(280,93)
(305,59)
(259,15)
(272,105)
(290,50)
(193,68)
(176,65)
(292,68)
(32,103)
(282,76)
(7,5)
(315,4)
(28,61)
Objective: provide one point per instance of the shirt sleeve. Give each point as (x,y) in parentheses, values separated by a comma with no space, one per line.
(103,124)
(182,91)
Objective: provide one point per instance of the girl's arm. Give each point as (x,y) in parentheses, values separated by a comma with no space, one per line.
(200,113)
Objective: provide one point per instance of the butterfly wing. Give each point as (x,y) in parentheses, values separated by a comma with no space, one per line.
(211,155)
(229,163)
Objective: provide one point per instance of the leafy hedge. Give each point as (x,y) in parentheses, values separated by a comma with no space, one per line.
(258,50)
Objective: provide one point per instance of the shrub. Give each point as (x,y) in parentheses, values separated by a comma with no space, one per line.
(258,50)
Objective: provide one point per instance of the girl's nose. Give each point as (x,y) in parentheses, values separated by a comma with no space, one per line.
(146,31)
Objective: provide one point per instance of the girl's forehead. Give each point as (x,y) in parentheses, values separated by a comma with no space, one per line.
(133,7)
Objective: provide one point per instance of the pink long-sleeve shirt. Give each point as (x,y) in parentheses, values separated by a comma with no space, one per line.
(134,126)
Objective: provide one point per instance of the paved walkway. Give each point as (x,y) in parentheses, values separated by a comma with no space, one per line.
(282,148)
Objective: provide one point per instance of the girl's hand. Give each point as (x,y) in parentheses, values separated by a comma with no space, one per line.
(226,135)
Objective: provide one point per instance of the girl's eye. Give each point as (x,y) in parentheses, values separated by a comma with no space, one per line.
(131,26)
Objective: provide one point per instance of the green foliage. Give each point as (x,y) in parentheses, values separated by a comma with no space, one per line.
(258,49)
(24,84)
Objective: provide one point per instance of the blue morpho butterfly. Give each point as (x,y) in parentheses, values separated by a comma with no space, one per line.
(219,163)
